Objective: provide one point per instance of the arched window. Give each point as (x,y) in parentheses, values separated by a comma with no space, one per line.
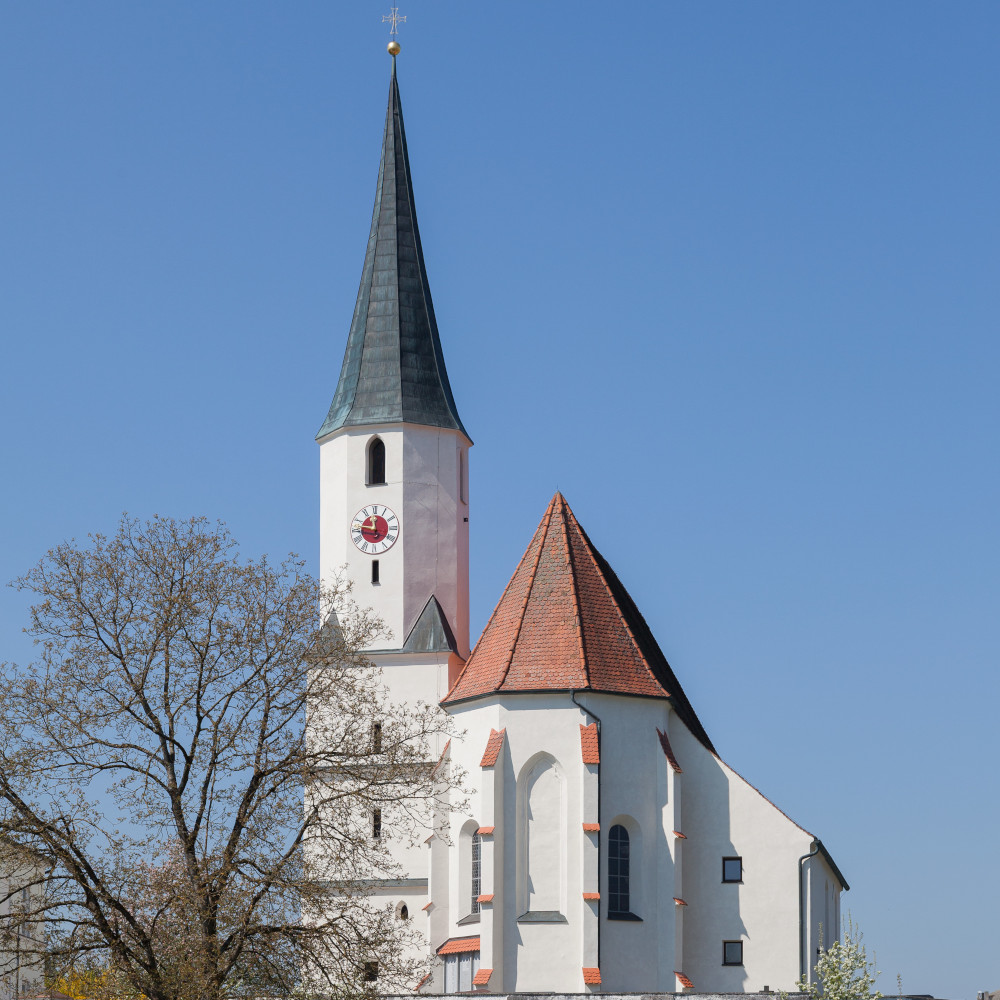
(618,871)
(376,462)
(477,871)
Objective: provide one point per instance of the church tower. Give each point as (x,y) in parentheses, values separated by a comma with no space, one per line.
(394,500)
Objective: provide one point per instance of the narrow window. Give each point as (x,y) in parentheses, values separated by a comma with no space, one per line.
(376,462)
(376,737)
(377,823)
(618,871)
(375,571)
(403,913)
(732,952)
(370,972)
(732,869)
(477,871)
(463,479)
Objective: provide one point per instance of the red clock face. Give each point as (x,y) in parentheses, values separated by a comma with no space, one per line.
(374,529)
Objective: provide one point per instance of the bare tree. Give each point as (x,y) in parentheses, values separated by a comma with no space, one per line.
(198,842)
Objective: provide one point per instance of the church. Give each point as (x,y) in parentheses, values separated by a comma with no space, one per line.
(605,846)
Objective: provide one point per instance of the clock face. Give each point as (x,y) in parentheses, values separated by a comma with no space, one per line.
(374,529)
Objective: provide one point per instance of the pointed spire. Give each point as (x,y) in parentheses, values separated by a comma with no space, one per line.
(393,368)
(566,623)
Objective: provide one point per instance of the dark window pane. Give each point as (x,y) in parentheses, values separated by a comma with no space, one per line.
(732,869)
(732,952)
(618,870)
(376,462)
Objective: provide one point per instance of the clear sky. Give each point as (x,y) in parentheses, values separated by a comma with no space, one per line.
(725,273)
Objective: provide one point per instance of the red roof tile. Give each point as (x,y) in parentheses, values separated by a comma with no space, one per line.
(677,833)
(482,977)
(665,743)
(486,831)
(588,744)
(590,896)
(679,901)
(592,977)
(684,980)
(566,623)
(422,983)
(493,747)
(455,946)
(427,906)
(486,897)
(591,827)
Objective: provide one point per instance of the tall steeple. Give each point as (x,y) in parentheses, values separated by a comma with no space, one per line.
(393,370)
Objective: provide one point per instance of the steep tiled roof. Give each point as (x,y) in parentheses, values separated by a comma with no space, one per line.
(591,827)
(592,977)
(393,368)
(456,946)
(684,980)
(665,743)
(493,747)
(588,744)
(486,831)
(482,977)
(566,623)
(486,897)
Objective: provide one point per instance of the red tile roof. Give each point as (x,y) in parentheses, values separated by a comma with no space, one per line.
(592,977)
(427,906)
(590,896)
(677,833)
(486,897)
(455,946)
(591,827)
(679,901)
(684,980)
(482,977)
(665,743)
(486,831)
(588,744)
(566,623)
(422,983)
(493,747)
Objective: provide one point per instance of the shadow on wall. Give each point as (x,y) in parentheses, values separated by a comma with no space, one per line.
(718,917)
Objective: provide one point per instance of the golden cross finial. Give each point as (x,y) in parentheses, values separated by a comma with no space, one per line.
(393,20)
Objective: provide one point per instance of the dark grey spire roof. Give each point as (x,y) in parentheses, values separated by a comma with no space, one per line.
(431,633)
(393,368)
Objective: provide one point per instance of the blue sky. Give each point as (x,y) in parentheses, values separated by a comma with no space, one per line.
(730,264)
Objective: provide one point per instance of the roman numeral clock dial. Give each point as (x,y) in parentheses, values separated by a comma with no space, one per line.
(374,529)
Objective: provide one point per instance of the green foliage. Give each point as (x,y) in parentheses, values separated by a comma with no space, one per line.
(843,971)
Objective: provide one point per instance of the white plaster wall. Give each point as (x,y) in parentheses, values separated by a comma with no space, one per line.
(551,956)
(422,487)
(637,955)
(723,816)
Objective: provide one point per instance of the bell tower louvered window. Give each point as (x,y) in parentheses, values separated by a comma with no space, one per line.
(376,462)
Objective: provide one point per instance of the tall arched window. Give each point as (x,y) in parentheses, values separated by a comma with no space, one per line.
(376,462)
(477,871)
(618,871)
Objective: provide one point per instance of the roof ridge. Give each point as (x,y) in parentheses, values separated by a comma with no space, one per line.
(576,588)
(546,522)
(588,546)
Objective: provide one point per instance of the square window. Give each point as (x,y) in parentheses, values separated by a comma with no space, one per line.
(369,972)
(732,952)
(732,869)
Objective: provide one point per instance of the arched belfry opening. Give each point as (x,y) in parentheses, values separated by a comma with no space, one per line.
(376,463)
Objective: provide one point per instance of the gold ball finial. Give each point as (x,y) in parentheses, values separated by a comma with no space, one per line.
(393,48)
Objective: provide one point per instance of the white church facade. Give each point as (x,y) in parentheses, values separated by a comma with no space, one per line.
(605,846)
